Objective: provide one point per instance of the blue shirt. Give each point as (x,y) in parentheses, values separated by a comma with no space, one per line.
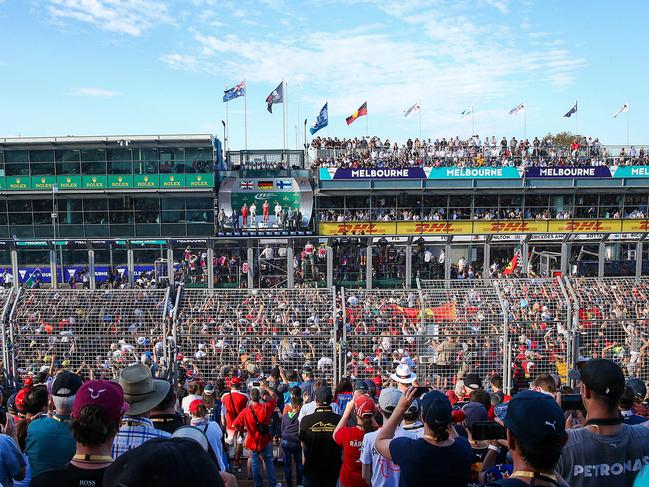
(49,443)
(423,464)
(133,432)
(11,460)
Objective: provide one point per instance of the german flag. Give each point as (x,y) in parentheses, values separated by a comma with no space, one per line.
(358,113)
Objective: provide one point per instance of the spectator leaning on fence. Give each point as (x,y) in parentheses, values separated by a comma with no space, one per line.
(142,394)
(98,408)
(606,451)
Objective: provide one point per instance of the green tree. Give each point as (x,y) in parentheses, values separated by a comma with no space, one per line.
(562,139)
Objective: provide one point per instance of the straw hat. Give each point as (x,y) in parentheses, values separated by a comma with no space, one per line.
(141,392)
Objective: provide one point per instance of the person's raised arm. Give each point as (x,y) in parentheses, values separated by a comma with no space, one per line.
(386,433)
(264,385)
(345,417)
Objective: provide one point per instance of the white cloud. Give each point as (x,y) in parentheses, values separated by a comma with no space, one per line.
(101,92)
(132,17)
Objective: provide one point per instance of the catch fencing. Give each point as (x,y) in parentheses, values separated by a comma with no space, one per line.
(519,328)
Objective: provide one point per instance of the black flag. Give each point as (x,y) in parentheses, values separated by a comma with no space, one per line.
(276,96)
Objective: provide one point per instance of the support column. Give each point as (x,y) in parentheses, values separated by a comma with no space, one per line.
(91,269)
(130,267)
(525,257)
(408,266)
(330,267)
(210,267)
(447,261)
(638,258)
(251,268)
(53,279)
(565,258)
(486,260)
(368,265)
(601,257)
(14,267)
(170,266)
(290,271)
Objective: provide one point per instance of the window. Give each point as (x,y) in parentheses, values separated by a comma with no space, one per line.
(145,161)
(172,160)
(198,159)
(42,162)
(17,163)
(147,210)
(68,161)
(95,211)
(173,210)
(93,161)
(119,161)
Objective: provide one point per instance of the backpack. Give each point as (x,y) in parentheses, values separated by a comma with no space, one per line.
(262,429)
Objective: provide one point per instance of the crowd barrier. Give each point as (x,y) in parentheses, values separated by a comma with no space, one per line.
(519,328)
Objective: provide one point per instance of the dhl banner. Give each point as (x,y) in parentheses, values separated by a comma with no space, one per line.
(491,227)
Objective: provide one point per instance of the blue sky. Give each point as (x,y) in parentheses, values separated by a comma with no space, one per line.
(96,67)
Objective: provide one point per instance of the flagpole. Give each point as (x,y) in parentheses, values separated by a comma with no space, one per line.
(284,102)
(627,126)
(367,123)
(472,122)
(525,123)
(419,104)
(576,119)
(245,114)
(227,125)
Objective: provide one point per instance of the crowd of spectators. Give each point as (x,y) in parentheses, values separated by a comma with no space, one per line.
(471,152)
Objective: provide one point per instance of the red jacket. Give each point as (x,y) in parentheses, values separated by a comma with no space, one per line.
(264,412)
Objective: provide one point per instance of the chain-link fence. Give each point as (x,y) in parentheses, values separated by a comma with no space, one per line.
(611,318)
(95,331)
(220,332)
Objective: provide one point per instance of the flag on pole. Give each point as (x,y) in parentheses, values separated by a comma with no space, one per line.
(276,96)
(322,120)
(514,263)
(623,108)
(572,111)
(362,110)
(412,110)
(517,109)
(234,92)
(466,112)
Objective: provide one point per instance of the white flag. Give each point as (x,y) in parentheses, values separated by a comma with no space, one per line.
(412,110)
(623,108)
(517,109)
(467,111)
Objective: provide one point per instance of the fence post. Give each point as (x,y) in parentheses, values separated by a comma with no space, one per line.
(368,265)
(565,257)
(290,271)
(91,268)
(330,266)
(569,324)
(54,280)
(4,322)
(130,264)
(334,341)
(251,268)
(342,345)
(210,267)
(573,332)
(506,346)
(171,346)
(638,258)
(14,267)
(10,347)
(408,266)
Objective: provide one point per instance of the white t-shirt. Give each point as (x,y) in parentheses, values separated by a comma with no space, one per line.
(187,400)
(310,407)
(384,472)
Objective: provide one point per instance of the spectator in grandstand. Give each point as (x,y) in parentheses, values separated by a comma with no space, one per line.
(165,416)
(439,454)
(377,470)
(255,419)
(142,393)
(49,441)
(198,412)
(164,462)
(535,436)
(290,439)
(97,409)
(350,438)
(322,456)
(233,403)
(12,462)
(599,452)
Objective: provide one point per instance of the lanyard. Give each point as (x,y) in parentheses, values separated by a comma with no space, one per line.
(536,476)
(92,458)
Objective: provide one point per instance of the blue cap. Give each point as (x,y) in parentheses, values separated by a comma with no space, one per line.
(435,408)
(532,417)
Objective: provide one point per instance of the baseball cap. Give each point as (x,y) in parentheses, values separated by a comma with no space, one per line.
(438,410)
(378,382)
(472,381)
(474,412)
(364,406)
(323,395)
(66,384)
(603,377)
(427,399)
(209,389)
(389,398)
(501,410)
(360,385)
(236,381)
(104,394)
(194,405)
(637,386)
(533,417)
(163,462)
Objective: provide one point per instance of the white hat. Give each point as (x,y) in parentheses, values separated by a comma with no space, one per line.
(403,375)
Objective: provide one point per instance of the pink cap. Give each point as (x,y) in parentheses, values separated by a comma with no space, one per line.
(104,394)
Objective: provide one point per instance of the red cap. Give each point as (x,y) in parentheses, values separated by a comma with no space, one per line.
(378,382)
(104,394)
(29,381)
(236,381)
(364,406)
(193,406)
(458,416)
(20,400)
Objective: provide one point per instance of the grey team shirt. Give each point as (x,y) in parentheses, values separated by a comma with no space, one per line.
(592,460)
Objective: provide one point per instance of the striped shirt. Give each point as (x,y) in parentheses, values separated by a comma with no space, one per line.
(133,432)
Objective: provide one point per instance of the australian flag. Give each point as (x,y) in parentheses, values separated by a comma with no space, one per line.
(322,120)
(234,92)
(276,96)
(571,111)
